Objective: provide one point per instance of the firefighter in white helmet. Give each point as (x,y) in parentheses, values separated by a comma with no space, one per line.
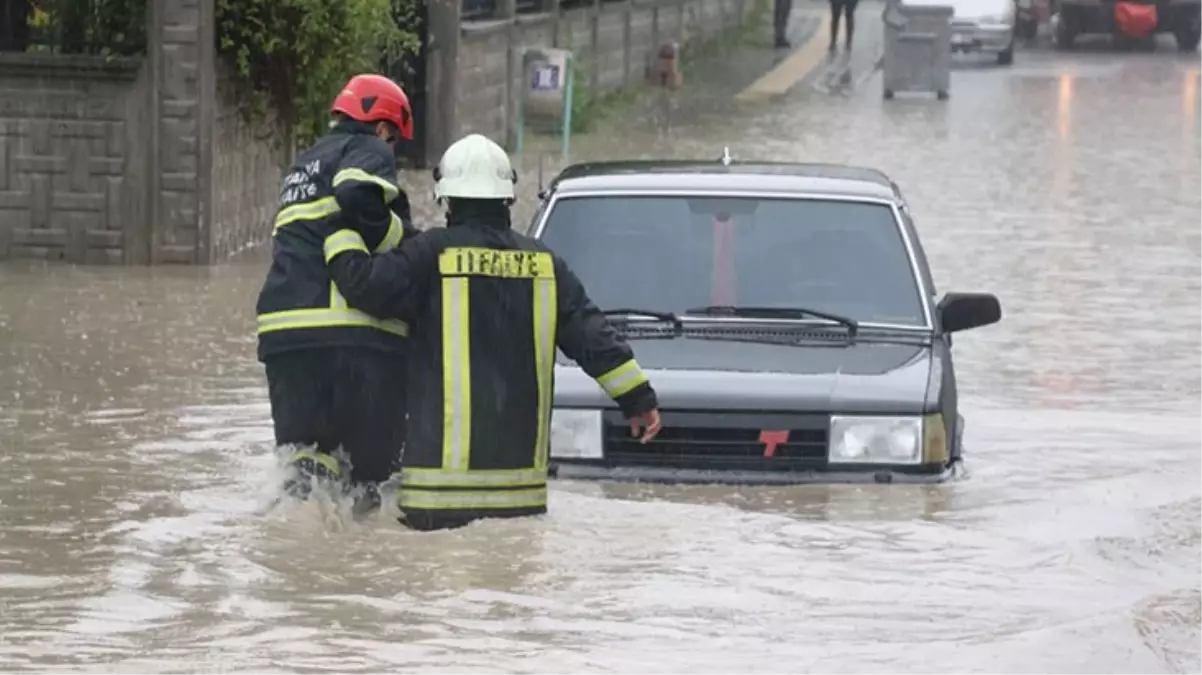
(488,308)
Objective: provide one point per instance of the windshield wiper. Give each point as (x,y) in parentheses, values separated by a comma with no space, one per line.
(666,317)
(775,313)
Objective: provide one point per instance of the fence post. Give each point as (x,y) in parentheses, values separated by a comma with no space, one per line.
(207,236)
(556,11)
(594,68)
(627,41)
(441,68)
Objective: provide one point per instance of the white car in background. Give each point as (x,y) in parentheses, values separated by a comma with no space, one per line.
(982,27)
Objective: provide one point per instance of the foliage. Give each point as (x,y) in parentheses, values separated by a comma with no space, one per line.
(100,27)
(289,58)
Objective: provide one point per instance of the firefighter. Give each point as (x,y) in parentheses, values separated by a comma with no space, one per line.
(489,307)
(336,375)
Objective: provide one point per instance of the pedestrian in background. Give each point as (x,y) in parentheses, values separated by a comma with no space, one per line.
(780,22)
(846,9)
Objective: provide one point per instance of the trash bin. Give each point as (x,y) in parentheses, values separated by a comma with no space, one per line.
(545,102)
(918,49)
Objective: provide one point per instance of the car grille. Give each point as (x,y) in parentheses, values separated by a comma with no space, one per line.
(722,442)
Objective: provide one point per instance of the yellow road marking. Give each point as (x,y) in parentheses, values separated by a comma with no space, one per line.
(790,71)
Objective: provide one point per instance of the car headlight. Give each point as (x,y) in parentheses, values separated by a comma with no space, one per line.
(875,440)
(576,434)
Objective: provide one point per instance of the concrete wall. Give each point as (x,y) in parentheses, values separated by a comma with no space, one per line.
(108,161)
(613,43)
(133,161)
(72,158)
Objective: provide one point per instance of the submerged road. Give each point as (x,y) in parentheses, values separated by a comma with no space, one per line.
(136,444)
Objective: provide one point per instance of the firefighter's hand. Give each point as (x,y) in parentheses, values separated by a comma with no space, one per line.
(649,424)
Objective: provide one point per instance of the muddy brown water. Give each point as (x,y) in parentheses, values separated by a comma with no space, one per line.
(135,440)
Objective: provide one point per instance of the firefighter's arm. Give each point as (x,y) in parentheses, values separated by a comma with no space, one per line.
(400,206)
(389,285)
(365,188)
(587,337)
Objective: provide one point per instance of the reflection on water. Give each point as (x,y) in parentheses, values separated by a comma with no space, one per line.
(135,435)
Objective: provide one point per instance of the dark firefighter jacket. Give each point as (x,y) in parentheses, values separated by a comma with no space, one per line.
(347,180)
(489,308)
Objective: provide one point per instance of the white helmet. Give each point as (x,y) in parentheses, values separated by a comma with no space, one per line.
(474,168)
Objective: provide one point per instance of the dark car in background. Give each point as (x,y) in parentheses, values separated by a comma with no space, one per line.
(785,313)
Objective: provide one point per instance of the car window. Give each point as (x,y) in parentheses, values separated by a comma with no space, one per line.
(670,253)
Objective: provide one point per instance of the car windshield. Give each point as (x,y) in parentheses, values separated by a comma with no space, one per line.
(671,253)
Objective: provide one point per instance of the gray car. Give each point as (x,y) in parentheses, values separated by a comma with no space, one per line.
(785,313)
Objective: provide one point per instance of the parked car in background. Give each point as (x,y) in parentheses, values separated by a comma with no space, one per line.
(982,27)
(785,313)
(1127,22)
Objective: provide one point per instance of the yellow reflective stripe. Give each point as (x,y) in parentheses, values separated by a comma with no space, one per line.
(455,500)
(341,242)
(337,301)
(393,237)
(314,210)
(545,311)
(493,478)
(390,189)
(456,376)
(334,317)
(330,463)
(622,379)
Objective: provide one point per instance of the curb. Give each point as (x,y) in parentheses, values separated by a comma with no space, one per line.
(793,69)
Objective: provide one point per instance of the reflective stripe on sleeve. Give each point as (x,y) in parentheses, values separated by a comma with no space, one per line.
(622,379)
(545,311)
(341,242)
(390,189)
(487,478)
(456,376)
(314,210)
(456,500)
(392,239)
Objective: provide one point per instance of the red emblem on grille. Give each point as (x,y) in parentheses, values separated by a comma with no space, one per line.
(772,439)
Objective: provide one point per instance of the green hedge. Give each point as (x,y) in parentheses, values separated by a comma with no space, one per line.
(290,57)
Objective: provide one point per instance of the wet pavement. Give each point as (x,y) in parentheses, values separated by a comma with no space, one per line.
(136,445)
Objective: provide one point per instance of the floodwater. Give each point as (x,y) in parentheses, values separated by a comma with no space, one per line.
(135,440)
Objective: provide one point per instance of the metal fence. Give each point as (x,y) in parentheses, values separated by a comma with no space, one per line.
(100,27)
(476,10)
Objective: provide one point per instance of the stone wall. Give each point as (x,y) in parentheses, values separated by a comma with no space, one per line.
(106,161)
(612,42)
(72,158)
(247,170)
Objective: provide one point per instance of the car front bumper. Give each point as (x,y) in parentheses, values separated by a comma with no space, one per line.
(600,470)
(987,39)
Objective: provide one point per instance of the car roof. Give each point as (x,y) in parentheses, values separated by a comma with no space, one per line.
(751,177)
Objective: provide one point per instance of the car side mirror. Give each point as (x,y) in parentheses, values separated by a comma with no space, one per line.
(964,311)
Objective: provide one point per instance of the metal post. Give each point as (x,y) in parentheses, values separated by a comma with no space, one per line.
(567,104)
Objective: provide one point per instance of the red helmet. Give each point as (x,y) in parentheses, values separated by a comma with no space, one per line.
(375,98)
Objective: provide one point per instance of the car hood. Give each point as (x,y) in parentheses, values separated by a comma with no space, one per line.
(725,375)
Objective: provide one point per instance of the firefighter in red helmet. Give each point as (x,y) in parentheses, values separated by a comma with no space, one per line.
(336,375)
